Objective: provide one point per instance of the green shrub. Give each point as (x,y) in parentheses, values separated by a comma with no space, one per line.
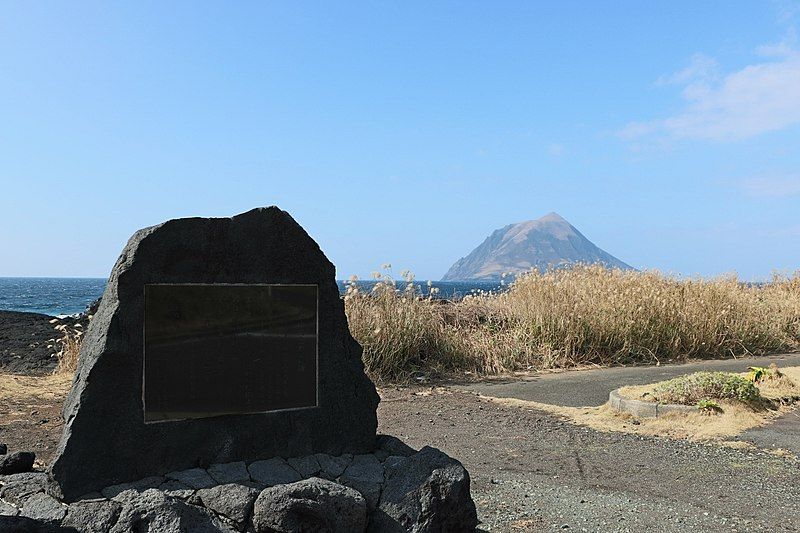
(709,406)
(693,388)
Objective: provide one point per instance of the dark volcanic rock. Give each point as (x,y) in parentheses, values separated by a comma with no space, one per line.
(365,474)
(17,462)
(232,500)
(19,487)
(21,524)
(44,507)
(394,446)
(27,341)
(273,471)
(105,433)
(425,492)
(153,512)
(3,449)
(92,516)
(310,505)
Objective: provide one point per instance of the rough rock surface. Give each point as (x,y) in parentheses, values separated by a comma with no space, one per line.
(229,472)
(332,467)
(6,509)
(140,485)
(273,471)
(43,507)
(365,474)
(152,511)
(28,341)
(17,463)
(310,505)
(307,466)
(104,408)
(427,491)
(3,449)
(19,487)
(92,516)
(412,491)
(22,524)
(232,500)
(195,478)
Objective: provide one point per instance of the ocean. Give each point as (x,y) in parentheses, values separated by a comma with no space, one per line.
(68,296)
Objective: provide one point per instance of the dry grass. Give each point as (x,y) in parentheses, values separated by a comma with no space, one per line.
(20,394)
(783,388)
(572,317)
(734,420)
(68,354)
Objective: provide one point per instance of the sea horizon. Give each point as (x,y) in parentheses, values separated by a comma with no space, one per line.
(64,296)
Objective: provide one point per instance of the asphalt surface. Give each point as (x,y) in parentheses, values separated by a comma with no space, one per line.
(583,388)
(532,471)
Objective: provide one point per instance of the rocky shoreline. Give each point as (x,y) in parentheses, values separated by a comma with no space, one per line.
(30,342)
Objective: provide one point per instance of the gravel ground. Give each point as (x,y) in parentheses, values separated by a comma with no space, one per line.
(532,471)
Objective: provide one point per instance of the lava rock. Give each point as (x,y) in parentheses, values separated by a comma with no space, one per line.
(92,516)
(17,462)
(307,466)
(3,449)
(104,426)
(425,492)
(6,509)
(232,500)
(20,487)
(365,474)
(22,524)
(152,511)
(310,505)
(196,478)
(333,467)
(44,507)
(393,446)
(273,471)
(229,472)
(140,485)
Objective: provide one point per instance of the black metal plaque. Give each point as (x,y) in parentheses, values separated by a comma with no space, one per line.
(213,350)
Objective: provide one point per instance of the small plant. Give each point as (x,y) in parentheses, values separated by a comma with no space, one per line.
(709,406)
(760,373)
(692,388)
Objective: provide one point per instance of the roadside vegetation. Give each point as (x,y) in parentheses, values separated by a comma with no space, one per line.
(729,404)
(757,389)
(586,315)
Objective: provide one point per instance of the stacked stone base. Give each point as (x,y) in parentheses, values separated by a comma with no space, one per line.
(394,489)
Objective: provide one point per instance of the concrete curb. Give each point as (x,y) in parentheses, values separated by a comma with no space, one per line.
(645,409)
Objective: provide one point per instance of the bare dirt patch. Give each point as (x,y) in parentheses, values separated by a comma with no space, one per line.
(30,412)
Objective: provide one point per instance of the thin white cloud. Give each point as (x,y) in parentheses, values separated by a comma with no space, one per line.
(556,150)
(770,186)
(757,99)
(700,66)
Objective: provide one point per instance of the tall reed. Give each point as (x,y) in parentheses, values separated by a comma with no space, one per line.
(568,317)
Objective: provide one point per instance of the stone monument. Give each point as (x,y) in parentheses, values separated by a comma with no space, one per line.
(216,340)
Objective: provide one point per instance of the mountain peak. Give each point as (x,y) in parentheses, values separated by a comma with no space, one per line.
(546,242)
(552,216)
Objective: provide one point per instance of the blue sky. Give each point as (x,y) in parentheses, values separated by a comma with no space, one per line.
(668,133)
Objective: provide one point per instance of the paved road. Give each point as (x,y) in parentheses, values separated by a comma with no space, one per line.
(591,387)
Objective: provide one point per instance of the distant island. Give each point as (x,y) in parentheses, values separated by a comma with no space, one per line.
(543,243)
